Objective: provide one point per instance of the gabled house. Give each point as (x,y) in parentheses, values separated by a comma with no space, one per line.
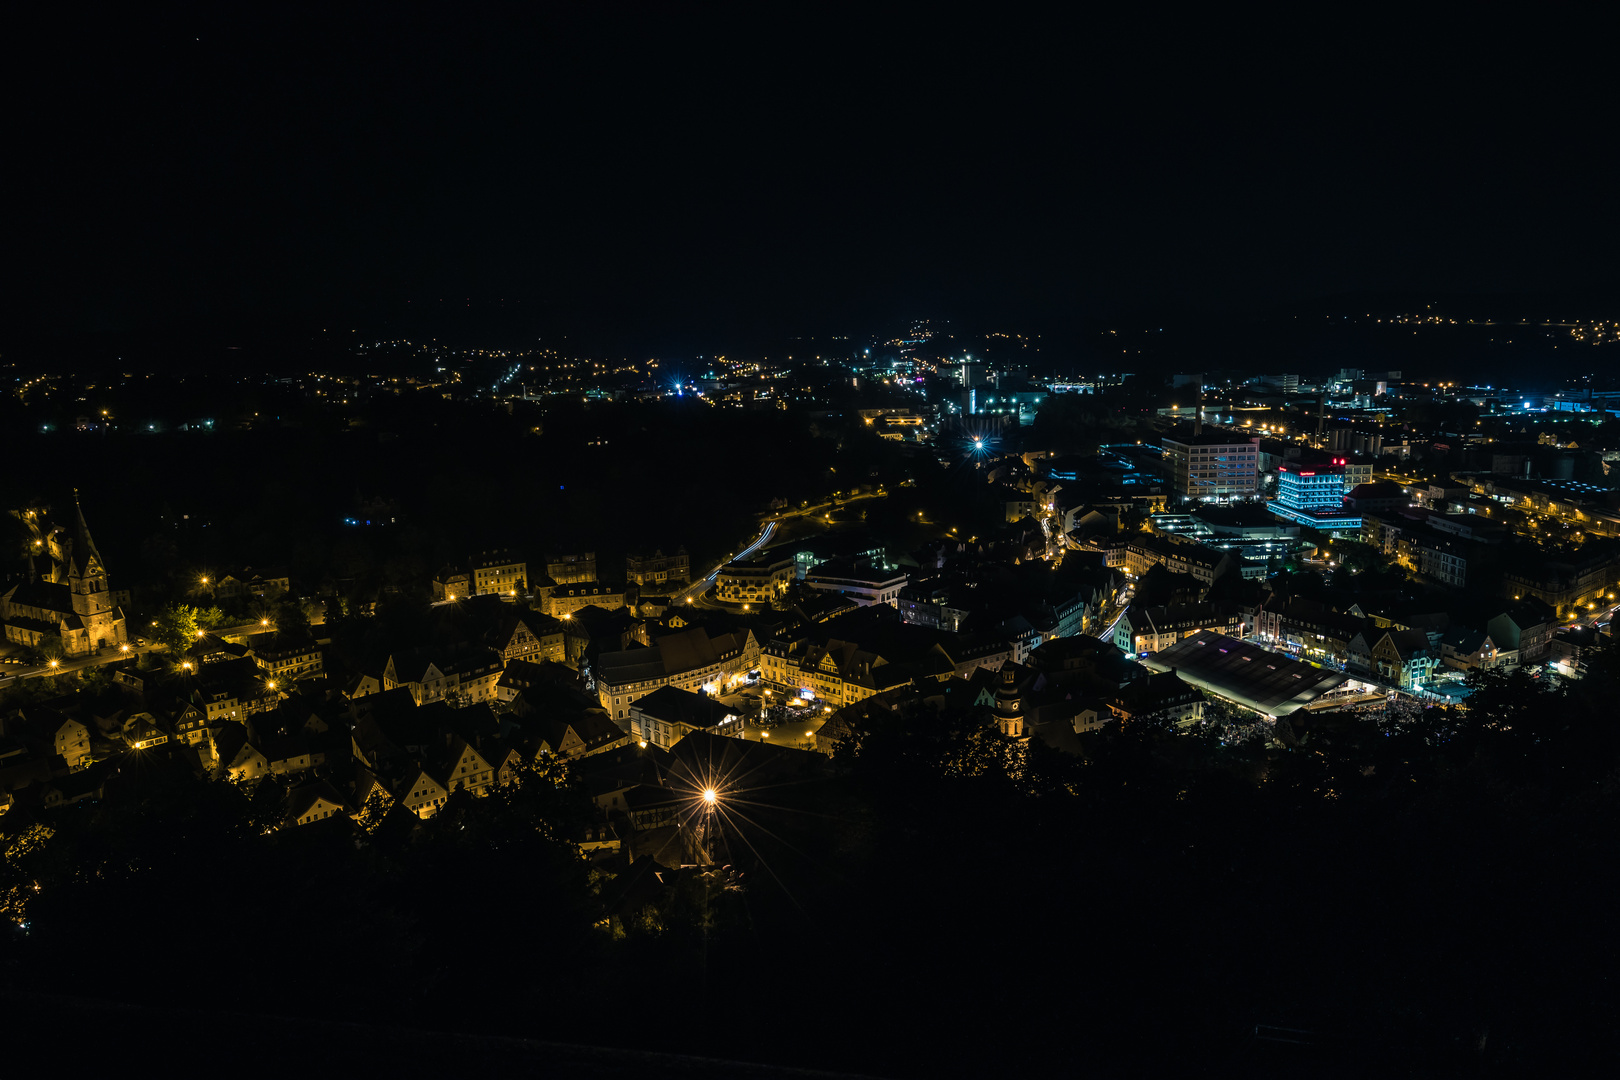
(313,802)
(1526,629)
(1464,649)
(421,794)
(143,731)
(1403,658)
(234,755)
(461,675)
(466,767)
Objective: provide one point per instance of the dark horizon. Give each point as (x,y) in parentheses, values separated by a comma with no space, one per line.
(668,182)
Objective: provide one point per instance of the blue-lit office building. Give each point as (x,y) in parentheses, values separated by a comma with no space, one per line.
(1314,495)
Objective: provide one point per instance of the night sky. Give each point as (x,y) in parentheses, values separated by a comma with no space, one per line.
(677,178)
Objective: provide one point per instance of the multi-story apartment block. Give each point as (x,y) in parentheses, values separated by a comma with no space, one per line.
(571,569)
(1217,467)
(862,584)
(657,573)
(499,573)
(284,658)
(757,580)
(562,601)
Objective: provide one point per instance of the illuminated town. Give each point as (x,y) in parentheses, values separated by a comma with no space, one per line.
(496,529)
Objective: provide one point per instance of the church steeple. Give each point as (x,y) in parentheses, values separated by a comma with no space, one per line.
(86,573)
(84,548)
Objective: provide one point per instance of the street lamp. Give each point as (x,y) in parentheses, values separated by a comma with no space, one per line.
(709,796)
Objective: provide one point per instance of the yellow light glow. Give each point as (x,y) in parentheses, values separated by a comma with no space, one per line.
(709,796)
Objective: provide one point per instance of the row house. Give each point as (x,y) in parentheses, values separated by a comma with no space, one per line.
(1401,658)
(466,675)
(841,672)
(530,636)
(1307,628)
(1149,629)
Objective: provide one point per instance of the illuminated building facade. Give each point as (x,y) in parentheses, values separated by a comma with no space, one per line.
(69,605)
(499,573)
(1215,467)
(759,580)
(1314,495)
(658,572)
(690,660)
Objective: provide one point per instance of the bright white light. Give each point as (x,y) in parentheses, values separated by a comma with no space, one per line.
(709,796)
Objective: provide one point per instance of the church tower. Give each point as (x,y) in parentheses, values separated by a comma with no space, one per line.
(1009,713)
(86,575)
(87,581)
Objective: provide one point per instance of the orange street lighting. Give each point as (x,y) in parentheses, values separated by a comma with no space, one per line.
(709,796)
(55,663)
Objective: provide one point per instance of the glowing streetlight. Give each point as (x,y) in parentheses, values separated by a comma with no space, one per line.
(709,796)
(56,663)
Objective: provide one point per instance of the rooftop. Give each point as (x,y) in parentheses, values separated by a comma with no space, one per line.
(1243,672)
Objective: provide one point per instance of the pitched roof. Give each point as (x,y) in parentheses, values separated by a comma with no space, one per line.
(84,548)
(673,705)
